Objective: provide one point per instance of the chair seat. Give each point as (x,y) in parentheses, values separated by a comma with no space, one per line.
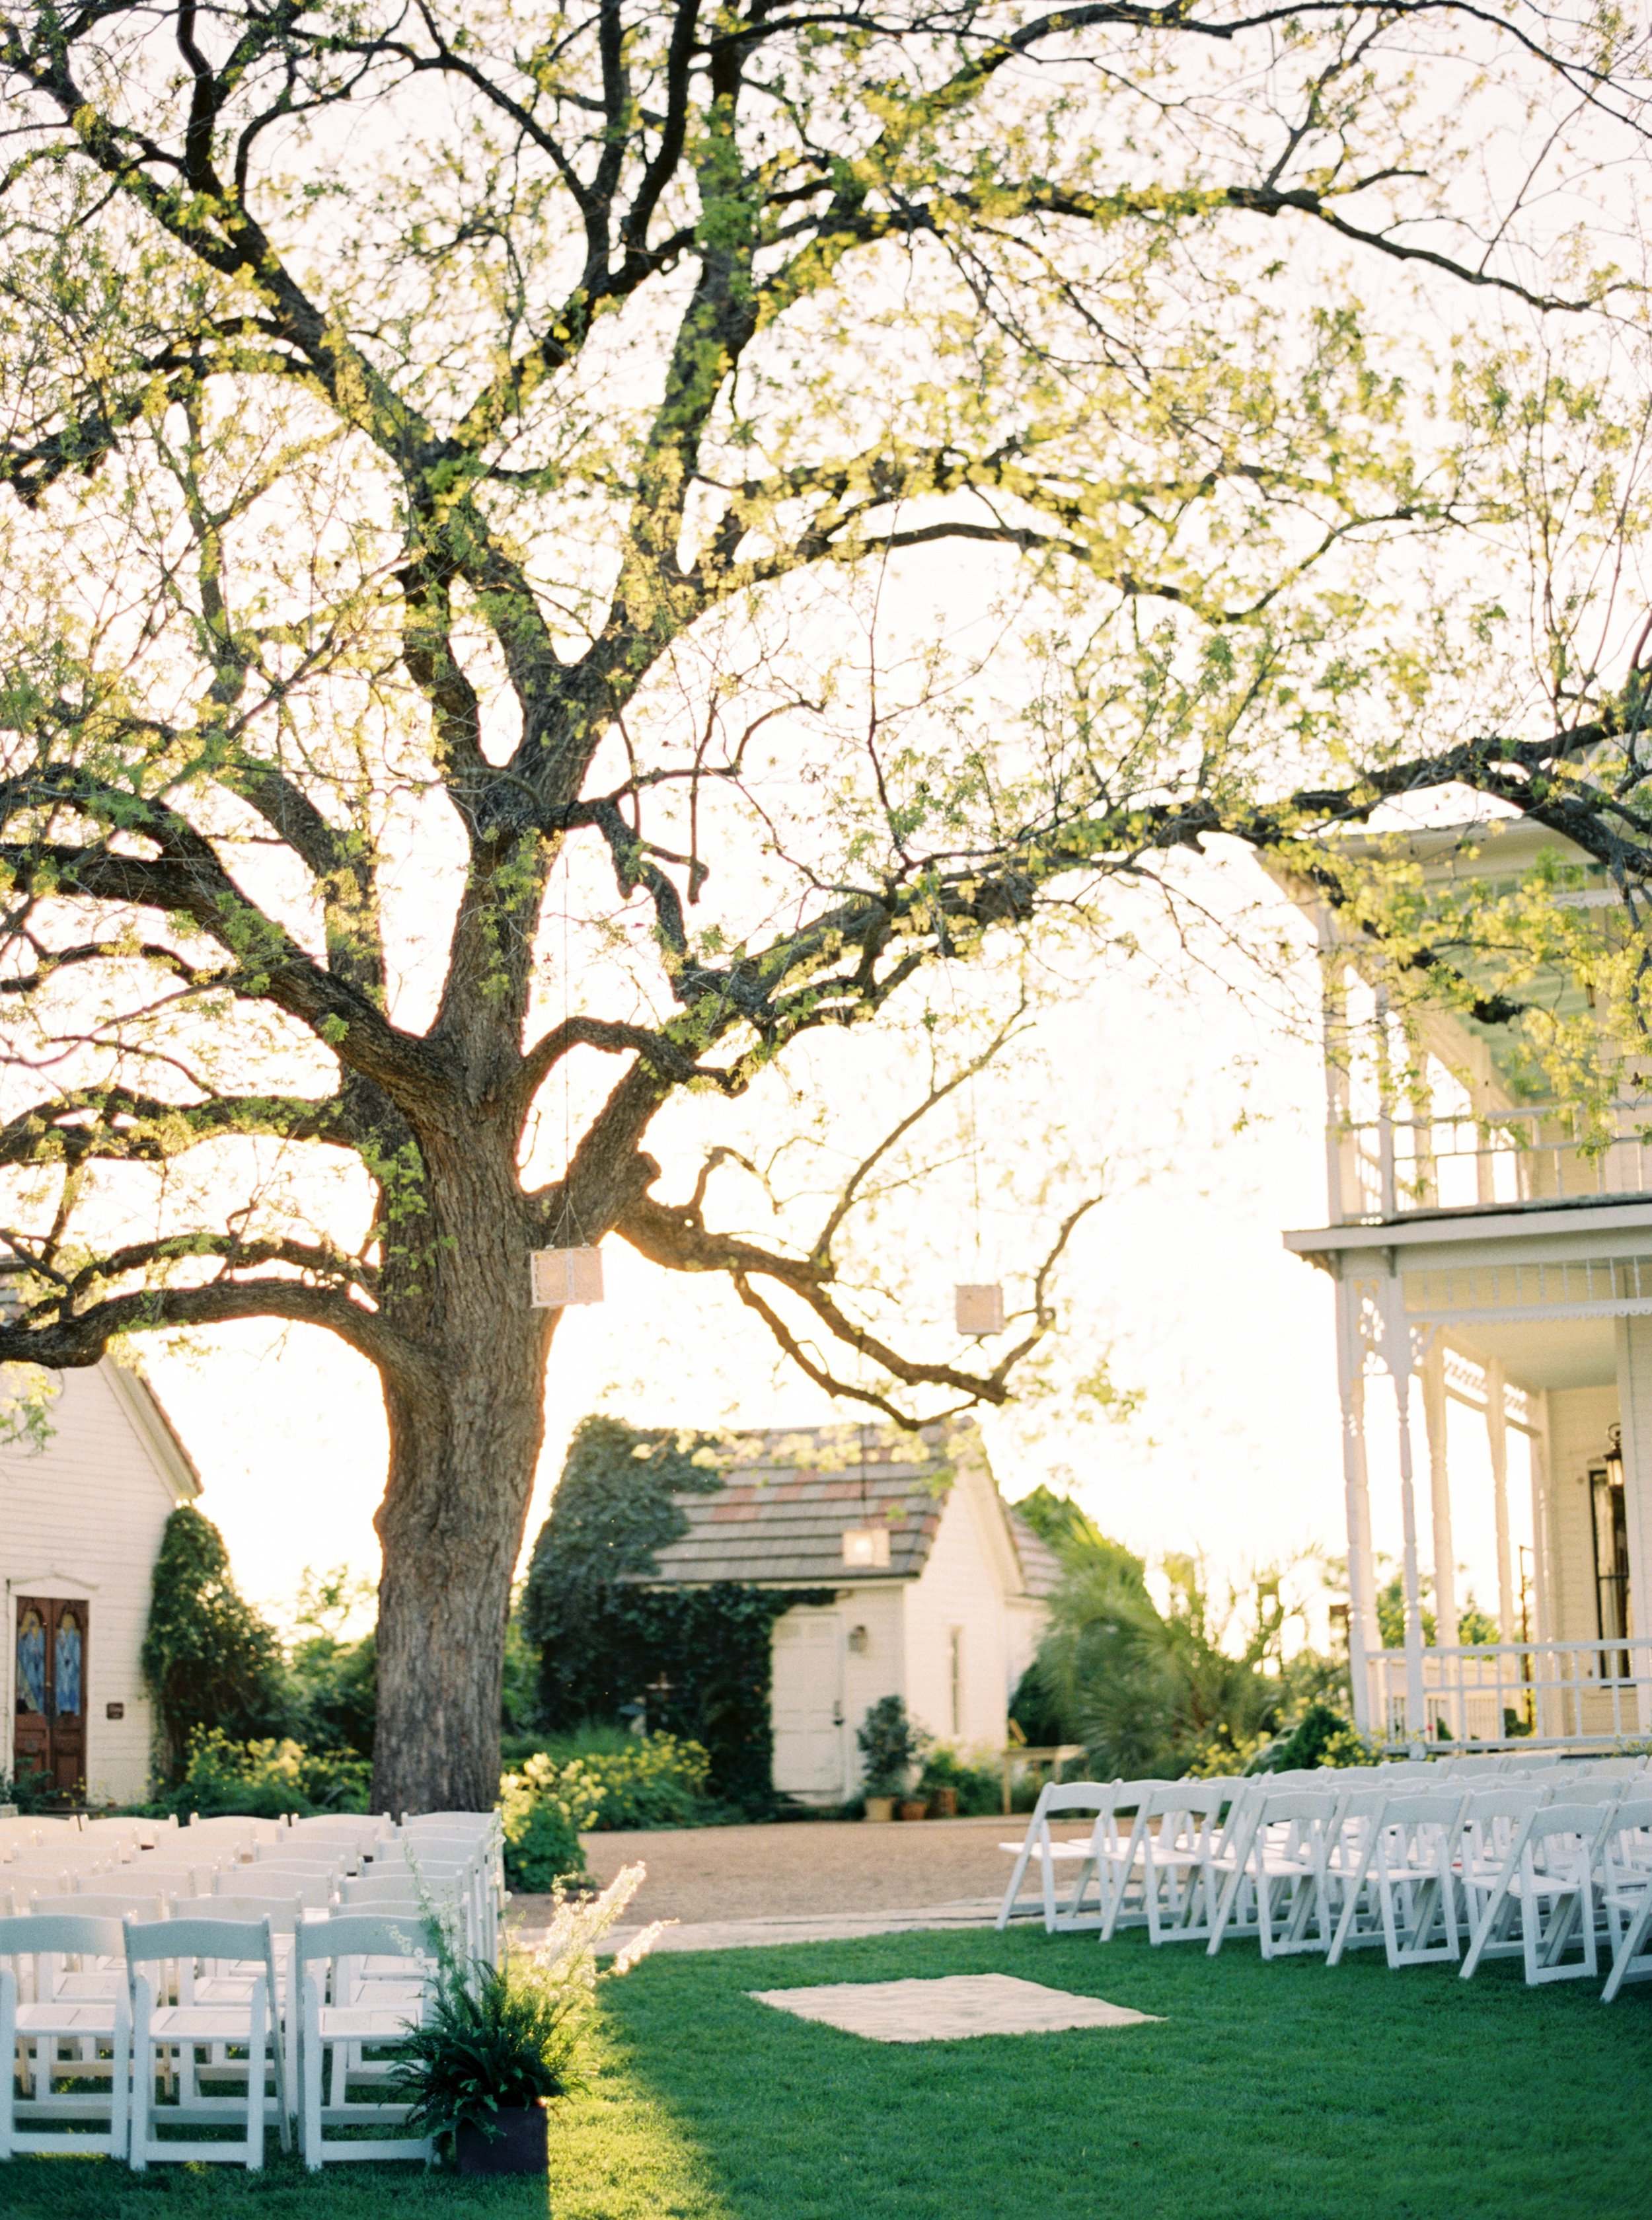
(66,2015)
(222,2022)
(361,2023)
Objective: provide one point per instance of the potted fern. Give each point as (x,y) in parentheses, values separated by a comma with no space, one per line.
(497,2043)
(494,2045)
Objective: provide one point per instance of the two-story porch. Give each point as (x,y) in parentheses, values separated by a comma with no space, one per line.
(1492,1252)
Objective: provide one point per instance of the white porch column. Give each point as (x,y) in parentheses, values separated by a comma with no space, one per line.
(1634,1437)
(1397,1353)
(1439,1489)
(1363,1635)
(1497,1434)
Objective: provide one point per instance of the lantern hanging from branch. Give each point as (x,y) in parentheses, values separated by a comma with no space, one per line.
(866,1547)
(979,1306)
(562,1277)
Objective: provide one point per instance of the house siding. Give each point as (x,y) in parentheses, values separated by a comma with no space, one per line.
(1579,1422)
(960,1589)
(84,1518)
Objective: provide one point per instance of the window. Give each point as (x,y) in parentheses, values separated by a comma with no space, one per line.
(1611,1557)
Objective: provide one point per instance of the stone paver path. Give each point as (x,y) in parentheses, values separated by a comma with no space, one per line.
(944,2010)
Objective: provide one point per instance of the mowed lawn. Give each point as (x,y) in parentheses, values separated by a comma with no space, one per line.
(1284,2092)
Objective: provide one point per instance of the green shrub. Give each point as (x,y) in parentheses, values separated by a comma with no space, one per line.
(264,1779)
(551,1797)
(1320,1736)
(210,1659)
(543,1809)
(979,1788)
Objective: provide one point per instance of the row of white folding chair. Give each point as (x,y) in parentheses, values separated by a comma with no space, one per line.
(200,1984)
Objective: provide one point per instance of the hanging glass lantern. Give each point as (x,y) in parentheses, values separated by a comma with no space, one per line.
(562,1277)
(979,1306)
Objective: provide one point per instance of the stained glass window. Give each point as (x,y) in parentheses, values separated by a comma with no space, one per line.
(31,1662)
(66,1664)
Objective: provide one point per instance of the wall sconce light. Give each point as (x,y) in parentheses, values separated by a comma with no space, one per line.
(859,1640)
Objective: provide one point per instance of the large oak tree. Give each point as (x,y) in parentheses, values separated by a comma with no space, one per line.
(450,443)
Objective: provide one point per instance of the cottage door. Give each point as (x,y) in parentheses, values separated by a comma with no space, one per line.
(49,1725)
(807,1703)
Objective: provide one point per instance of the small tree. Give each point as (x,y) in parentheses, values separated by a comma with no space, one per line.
(890,1746)
(209,1659)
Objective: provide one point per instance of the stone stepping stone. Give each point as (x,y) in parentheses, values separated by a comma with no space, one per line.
(942,2010)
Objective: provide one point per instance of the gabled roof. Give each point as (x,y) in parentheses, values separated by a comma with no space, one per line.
(1040,1566)
(147,1416)
(791,1494)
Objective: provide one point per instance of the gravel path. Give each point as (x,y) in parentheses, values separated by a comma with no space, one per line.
(802,1868)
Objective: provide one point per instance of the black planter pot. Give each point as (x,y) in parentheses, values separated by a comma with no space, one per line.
(516,2145)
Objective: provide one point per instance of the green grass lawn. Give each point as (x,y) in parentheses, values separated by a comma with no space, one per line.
(1281,2090)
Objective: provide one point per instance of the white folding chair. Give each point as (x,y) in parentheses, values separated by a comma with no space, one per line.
(1088,1796)
(340,2029)
(170,2025)
(36,2020)
(305,1885)
(1404,1878)
(1492,1818)
(1546,1886)
(1626,1885)
(1177,1832)
(1281,1851)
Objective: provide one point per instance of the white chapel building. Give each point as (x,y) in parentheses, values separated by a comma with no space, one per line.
(80,1526)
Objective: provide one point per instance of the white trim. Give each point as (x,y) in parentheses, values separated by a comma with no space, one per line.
(1538,1221)
(145,1414)
(59,1586)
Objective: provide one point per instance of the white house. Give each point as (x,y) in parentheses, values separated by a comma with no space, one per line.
(80,1524)
(936,1586)
(1496,1251)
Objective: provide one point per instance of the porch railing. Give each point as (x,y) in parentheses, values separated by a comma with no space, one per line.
(1542,1152)
(1518,1695)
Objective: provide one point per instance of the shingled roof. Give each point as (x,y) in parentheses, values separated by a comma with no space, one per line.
(780,1517)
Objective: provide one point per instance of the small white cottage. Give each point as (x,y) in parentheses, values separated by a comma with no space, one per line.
(80,1524)
(936,1588)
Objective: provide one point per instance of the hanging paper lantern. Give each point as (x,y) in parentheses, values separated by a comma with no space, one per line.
(562,1277)
(979,1308)
(867,1547)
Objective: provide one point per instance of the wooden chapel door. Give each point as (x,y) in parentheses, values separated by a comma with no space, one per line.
(49,1726)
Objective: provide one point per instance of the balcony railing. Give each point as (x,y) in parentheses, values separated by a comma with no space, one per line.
(1386,1168)
(1524,1695)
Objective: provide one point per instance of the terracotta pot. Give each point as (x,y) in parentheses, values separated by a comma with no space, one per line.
(945,1803)
(880,1807)
(516,2146)
(913,1807)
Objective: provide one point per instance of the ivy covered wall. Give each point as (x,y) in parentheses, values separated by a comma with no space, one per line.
(697,1659)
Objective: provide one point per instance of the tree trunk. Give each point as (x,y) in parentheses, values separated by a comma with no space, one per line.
(465,1435)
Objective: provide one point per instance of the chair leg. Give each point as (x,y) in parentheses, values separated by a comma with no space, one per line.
(311,2070)
(255,2048)
(7,2059)
(1624,1957)
(119,2082)
(143,2077)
